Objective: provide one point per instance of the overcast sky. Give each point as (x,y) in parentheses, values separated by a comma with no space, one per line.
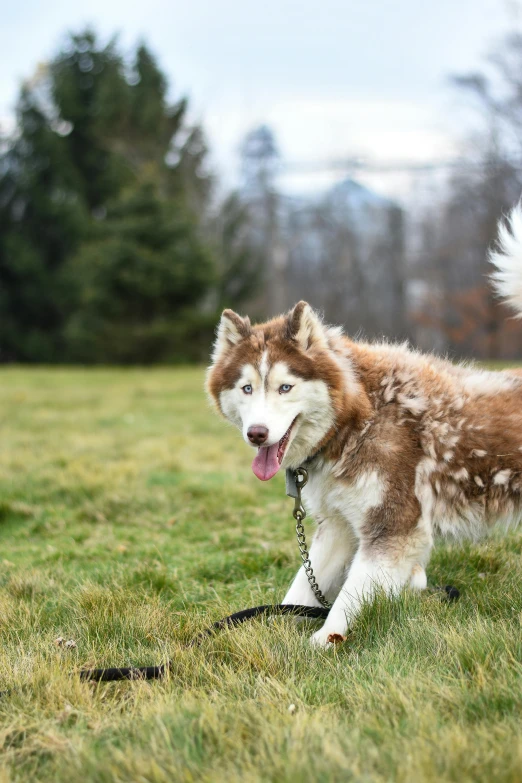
(333,78)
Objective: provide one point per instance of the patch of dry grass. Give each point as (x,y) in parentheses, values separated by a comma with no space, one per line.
(129,519)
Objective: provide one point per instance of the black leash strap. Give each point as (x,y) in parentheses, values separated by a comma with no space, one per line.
(156,672)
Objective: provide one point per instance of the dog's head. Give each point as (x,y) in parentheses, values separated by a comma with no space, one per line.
(282,384)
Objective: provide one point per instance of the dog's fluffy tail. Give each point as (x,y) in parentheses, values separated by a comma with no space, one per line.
(507,258)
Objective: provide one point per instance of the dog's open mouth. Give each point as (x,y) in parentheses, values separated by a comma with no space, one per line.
(269,458)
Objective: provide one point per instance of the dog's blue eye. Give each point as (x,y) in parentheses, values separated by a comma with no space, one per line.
(247,389)
(285,388)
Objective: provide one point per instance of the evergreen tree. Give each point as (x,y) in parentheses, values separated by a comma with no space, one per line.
(42,219)
(104,182)
(90,99)
(157,132)
(136,283)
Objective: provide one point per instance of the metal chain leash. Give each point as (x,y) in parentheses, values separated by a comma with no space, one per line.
(301,477)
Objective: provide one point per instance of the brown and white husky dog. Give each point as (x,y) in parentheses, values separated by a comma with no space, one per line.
(399,446)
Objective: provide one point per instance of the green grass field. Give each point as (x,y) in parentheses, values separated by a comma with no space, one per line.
(130,519)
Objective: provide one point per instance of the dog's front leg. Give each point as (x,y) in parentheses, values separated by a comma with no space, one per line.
(330,555)
(367,574)
(386,565)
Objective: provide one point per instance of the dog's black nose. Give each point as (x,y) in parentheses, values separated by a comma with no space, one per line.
(257,434)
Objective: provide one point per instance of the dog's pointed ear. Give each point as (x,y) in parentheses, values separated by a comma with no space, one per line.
(305,326)
(231,329)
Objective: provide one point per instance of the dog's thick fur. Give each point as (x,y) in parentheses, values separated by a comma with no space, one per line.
(399,446)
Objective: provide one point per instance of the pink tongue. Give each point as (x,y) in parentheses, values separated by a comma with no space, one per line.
(266,464)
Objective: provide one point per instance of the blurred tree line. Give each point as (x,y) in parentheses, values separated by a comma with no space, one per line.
(114,246)
(111,249)
(379,271)
(459,311)
(421,275)
(343,250)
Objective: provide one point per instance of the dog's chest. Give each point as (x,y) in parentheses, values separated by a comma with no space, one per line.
(327,497)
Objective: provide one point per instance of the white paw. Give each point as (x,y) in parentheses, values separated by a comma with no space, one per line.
(418,578)
(325,638)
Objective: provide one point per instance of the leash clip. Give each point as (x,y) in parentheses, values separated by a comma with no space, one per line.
(301,478)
